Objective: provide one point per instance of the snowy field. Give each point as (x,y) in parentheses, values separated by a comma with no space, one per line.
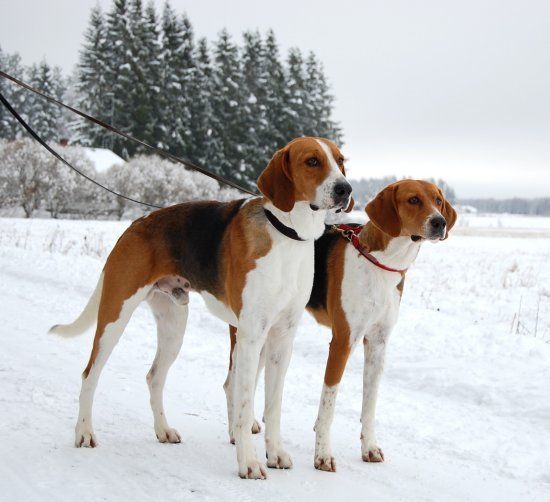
(464,408)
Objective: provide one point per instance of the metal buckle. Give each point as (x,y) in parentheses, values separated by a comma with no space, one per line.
(346,234)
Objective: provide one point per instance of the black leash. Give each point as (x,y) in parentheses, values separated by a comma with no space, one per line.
(158,151)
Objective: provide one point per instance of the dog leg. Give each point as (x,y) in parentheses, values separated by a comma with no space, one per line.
(374,349)
(278,352)
(107,336)
(250,340)
(339,352)
(228,386)
(171,321)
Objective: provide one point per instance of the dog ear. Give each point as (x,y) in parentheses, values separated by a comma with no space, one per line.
(350,205)
(275,183)
(448,213)
(382,211)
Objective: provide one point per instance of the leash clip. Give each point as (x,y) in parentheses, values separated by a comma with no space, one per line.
(346,233)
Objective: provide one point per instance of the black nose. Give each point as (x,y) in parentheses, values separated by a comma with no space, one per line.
(342,189)
(438,222)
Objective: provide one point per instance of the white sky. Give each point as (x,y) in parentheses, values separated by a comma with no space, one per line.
(442,88)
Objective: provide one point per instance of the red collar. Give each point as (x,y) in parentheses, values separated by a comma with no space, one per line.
(351,233)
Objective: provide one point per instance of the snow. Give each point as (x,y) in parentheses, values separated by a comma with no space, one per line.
(102,158)
(463,413)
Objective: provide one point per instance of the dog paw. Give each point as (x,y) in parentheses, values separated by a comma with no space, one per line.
(373,454)
(252,470)
(85,439)
(256,427)
(168,435)
(325,462)
(279,460)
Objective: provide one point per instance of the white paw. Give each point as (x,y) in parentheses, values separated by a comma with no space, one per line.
(279,460)
(252,469)
(324,462)
(167,435)
(85,438)
(372,453)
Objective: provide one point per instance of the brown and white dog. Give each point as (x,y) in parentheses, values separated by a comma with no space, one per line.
(251,261)
(359,300)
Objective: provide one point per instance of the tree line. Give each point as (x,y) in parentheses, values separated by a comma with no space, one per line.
(226,105)
(517,205)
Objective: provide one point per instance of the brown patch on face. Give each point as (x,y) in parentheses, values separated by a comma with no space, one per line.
(295,172)
(246,240)
(404,207)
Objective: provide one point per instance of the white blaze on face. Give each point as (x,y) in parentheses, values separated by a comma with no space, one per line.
(324,193)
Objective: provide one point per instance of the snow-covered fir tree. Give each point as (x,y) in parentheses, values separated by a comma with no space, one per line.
(319,102)
(177,74)
(274,135)
(254,86)
(151,55)
(204,143)
(43,116)
(119,74)
(229,127)
(16,96)
(296,110)
(92,92)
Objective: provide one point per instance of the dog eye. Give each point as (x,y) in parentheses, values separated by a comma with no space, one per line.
(414,200)
(340,161)
(438,201)
(312,162)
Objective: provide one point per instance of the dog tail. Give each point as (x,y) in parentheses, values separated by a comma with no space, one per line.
(86,318)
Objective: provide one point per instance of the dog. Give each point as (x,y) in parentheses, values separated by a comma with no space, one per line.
(251,260)
(357,290)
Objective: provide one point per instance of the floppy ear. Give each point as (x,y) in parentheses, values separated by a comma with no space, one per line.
(275,183)
(350,205)
(448,213)
(382,211)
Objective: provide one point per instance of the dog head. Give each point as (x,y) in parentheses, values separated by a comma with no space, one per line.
(307,169)
(412,208)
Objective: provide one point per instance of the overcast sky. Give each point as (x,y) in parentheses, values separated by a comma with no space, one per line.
(444,88)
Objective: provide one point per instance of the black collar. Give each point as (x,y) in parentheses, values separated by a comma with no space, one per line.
(281,227)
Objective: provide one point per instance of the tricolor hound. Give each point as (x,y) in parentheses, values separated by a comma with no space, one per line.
(251,261)
(357,292)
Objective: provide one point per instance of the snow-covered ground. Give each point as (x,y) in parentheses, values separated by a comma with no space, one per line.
(464,408)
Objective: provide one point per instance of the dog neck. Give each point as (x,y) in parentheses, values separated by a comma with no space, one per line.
(307,223)
(396,252)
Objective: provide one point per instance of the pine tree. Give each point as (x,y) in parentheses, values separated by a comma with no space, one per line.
(177,74)
(275,134)
(203,143)
(319,102)
(254,85)
(43,115)
(295,109)
(151,59)
(228,127)
(119,74)
(92,91)
(16,96)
